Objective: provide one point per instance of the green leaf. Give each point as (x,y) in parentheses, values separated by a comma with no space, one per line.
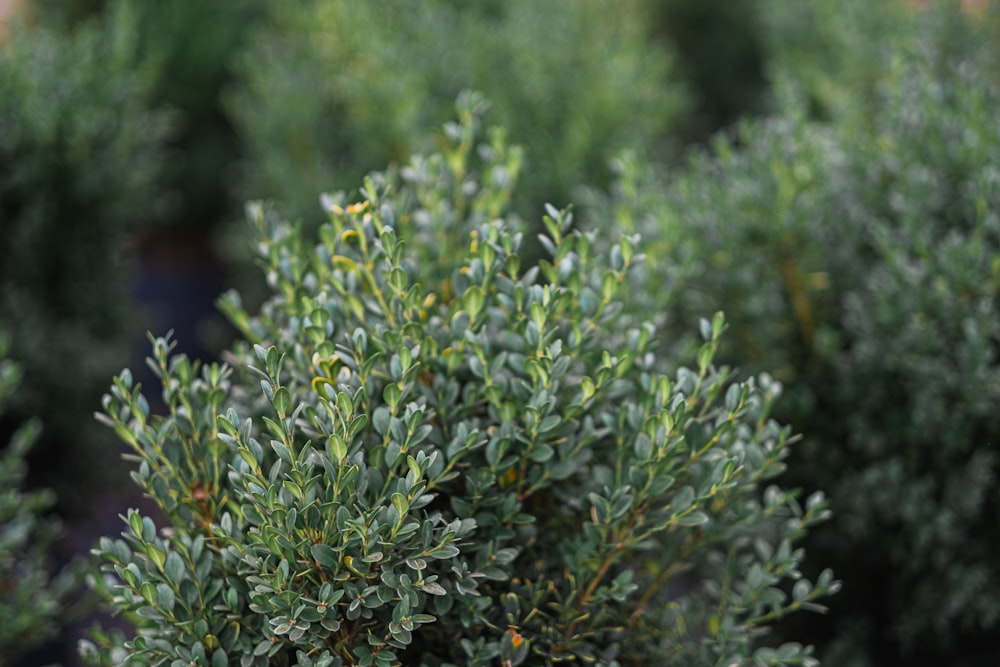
(561,470)
(380,420)
(620,506)
(165,597)
(446,551)
(643,446)
(148,592)
(589,302)
(324,555)
(705,354)
(541,453)
(156,555)
(696,518)
(282,451)
(474,300)
(537,314)
(400,503)
(682,500)
(609,286)
(248,457)
(391,394)
(433,588)
(135,523)
(718,324)
(411,463)
(282,400)
(705,329)
(174,568)
(338,448)
(125,434)
(272,361)
(549,423)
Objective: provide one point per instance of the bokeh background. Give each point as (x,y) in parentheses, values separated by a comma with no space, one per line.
(825,171)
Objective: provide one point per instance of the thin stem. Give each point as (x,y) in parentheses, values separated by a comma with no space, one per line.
(594,583)
(661,579)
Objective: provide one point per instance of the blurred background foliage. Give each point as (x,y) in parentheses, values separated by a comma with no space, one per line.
(82,155)
(824,171)
(852,236)
(32,593)
(334,89)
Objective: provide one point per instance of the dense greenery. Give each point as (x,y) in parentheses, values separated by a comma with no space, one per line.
(30,598)
(332,90)
(849,235)
(856,252)
(453,460)
(184,49)
(81,152)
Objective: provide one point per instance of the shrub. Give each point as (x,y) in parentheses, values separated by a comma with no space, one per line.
(31,598)
(736,227)
(835,52)
(333,90)
(185,48)
(858,260)
(423,454)
(80,154)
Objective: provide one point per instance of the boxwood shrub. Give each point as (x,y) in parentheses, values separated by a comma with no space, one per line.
(426,452)
(857,259)
(332,90)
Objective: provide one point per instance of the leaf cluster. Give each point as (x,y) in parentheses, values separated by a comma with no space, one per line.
(432,455)
(855,254)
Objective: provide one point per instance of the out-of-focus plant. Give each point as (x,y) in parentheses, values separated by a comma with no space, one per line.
(186,48)
(836,53)
(31,598)
(424,453)
(335,89)
(859,260)
(80,156)
(195,43)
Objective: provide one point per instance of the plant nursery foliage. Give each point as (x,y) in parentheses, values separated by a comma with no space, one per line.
(80,155)
(30,597)
(184,49)
(858,260)
(425,453)
(332,90)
